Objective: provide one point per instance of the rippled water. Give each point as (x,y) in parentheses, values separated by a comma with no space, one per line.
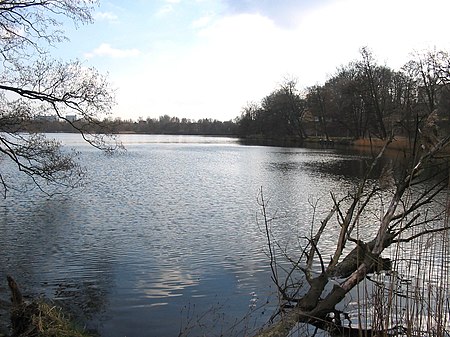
(165,233)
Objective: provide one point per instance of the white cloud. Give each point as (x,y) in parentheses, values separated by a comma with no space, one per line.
(242,58)
(106,16)
(237,59)
(106,50)
(202,22)
(164,10)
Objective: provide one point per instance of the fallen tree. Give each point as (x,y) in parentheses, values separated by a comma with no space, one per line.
(311,287)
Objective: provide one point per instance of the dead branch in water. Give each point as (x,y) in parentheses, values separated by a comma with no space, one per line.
(405,217)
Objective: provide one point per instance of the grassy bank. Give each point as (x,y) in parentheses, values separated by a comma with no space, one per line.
(39,318)
(43,319)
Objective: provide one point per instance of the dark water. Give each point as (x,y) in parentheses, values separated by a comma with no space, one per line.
(166,234)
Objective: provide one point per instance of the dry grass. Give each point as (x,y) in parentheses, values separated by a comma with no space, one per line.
(41,319)
(399,143)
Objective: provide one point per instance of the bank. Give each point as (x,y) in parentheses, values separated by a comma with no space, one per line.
(38,318)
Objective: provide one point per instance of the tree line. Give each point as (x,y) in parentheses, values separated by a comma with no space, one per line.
(163,125)
(173,125)
(362,99)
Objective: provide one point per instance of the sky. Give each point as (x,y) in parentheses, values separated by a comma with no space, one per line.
(210,58)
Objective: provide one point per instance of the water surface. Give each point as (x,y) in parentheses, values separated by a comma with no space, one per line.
(167,233)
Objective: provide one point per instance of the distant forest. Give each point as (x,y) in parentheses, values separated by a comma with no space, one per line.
(162,125)
(362,99)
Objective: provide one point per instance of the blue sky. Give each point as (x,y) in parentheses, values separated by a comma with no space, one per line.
(209,58)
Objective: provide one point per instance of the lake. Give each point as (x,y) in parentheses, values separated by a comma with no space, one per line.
(166,237)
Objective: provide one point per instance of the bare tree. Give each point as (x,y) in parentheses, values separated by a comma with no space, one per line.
(318,279)
(317,104)
(375,82)
(33,85)
(431,72)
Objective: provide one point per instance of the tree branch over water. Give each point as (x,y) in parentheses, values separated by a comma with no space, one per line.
(413,210)
(34,86)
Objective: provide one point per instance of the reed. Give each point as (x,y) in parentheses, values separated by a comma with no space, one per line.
(413,298)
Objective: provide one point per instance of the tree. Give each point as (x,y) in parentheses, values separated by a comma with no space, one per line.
(431,72)
(283,112)
(317,104)
(404,99)
(249,121)
(375,84)
(279,115)
(346,106)
(312,283)
(32,86)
